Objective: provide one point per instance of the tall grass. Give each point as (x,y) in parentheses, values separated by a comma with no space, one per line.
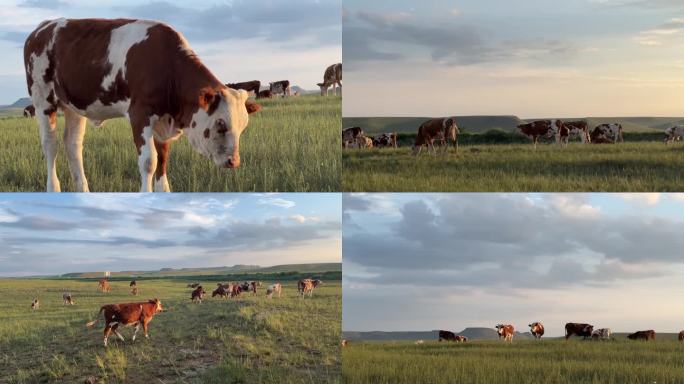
(625,167)
(492,362)
(291,145)
(247,340)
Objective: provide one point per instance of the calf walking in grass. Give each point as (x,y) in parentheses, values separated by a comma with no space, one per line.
(127,314)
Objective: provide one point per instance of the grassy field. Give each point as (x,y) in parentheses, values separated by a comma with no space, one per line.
(245,340)
(292,145)
(491,362)
(625,167)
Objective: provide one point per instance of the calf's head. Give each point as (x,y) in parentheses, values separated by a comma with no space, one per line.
(157,305)
(217,125)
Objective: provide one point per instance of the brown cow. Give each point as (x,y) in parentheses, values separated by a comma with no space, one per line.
(505,331)
(681,336)
(461,339)
(305,286)
(578,128)
(282,86)
(542,128)
(350,137)
(265,94)
(249,86)
(332,76)
(67,299)
(447,336)
(385,140)
(537,330)
(29,111)
(197,295)
(579,329)
(443,130)
(133,283)
(103,285)
(273,288)
(222,290)
(643,335)
(128,314)
(344,343)
(236,290)
(144,70)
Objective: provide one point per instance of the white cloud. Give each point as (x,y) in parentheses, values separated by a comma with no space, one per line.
(641,198)
(277,202)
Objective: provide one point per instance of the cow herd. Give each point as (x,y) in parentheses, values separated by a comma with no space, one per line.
(586,331)
(444,132)
(139,314)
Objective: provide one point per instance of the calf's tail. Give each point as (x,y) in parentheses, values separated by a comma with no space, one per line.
(92,323)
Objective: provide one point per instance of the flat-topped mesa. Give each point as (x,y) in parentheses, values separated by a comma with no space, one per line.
(147,72)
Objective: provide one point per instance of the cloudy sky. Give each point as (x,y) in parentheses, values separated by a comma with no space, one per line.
(417,262)
(531,58)
(54,234)
(238,40)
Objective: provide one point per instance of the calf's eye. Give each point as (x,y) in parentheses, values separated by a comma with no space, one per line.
(222,128)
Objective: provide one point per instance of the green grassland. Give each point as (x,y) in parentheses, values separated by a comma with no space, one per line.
(291,145)
(630,166)
(250,339)
(619,361)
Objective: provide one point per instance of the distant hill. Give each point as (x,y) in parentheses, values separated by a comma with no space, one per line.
(21,103)
(481,124)
(236,269)
(476,333)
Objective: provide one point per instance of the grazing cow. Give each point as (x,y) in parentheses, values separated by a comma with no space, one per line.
(681,336)
(350,136)
(248,286)
(443,130)
(537,330)
(265,94)
(364,142)
(133,283)
(135,291)
(193,285)
(332,76)
(282,86)
(461,339)
(273,288)
(35,304)
(607,134)
(579,329)
(344,343)
(128,314)
(578,128)
(222,291)
(385,140)
(447,336)
(505,331)
(103,285)
(197,295)
(249,86)
(144,70)
(601,334)
(643,335)
(29,111)
(305,286)
(542,128)
(236,289)
(67,299)
(674,133)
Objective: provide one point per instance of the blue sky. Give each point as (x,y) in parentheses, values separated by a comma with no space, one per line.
(238,40)
(54,234)
(531,58)
(451,261)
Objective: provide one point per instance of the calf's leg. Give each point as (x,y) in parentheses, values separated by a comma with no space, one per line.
(48,139)
(74,130)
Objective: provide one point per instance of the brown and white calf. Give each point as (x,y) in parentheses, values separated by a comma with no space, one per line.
(35,304)
(680,337)
(305,286)
(505,331)
(67,299)
(350,137)
(128,314)
(578,128)
(674,133)
(222,290)
(143,70)
(537,330)
(103,285)
(278,87)
(29,111)
(542,128)
(385,140)
(197,295)
(601,334)
(444,130)
(273,288)
(607,134)
(331,77)
(248,86)
(236,290)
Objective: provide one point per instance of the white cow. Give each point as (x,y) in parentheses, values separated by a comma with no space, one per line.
(601,334)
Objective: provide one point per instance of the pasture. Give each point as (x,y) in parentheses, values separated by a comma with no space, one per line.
(292,145)
(248,339)
(629,166)
(552,361)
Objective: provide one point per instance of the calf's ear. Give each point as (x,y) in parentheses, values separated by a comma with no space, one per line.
(252,107)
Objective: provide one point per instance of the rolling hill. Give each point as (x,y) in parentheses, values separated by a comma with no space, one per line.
(481,124)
